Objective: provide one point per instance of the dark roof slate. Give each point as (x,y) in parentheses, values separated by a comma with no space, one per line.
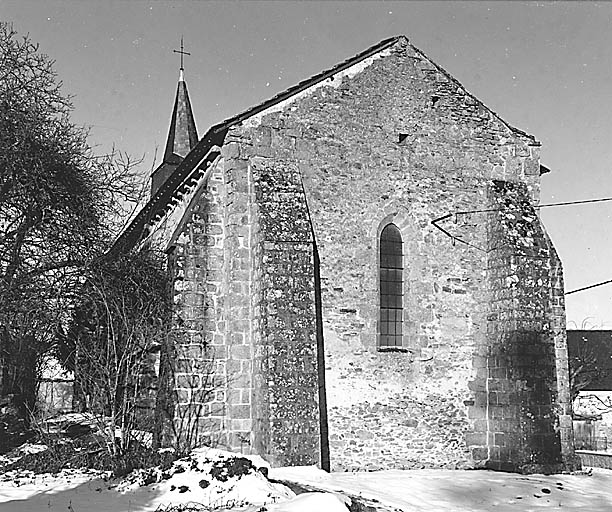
(182,135)
(189,168)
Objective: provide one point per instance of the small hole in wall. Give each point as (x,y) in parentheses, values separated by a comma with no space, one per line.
(434,100)
(402,138)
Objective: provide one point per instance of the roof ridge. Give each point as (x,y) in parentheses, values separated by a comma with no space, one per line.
(313,80)
(448,75)
(183,173)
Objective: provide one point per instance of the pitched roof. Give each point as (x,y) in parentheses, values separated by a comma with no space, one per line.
(208,147)
(182,136)
(179,180)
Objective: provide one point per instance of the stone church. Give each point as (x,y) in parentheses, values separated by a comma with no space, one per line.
(361,262)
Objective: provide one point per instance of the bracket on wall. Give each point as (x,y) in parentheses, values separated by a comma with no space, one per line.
(453,238)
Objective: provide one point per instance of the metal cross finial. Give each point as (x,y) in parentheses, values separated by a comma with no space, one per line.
(181,52)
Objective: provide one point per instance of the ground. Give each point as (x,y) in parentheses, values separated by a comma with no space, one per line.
(211,479)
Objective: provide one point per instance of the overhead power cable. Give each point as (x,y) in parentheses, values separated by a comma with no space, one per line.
(537,207)
(584,201)
(589,287)
(468,212)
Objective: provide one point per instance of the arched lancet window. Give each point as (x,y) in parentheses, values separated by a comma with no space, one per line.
(391,287)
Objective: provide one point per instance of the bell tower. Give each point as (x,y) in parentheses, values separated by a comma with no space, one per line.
(182,135)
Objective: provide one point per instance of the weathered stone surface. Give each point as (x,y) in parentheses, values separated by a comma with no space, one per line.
(281,252)
(524,351)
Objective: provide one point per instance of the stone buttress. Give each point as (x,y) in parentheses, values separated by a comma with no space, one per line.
(278,259)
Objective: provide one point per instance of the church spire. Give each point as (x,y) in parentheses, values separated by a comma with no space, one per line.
(182,135)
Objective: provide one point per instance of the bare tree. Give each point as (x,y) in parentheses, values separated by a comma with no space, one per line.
(117,327)
(186,398)
(60,207)
(583,369)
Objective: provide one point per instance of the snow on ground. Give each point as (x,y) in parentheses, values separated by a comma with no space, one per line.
(213,478)
(33,448)
(206,476)
(311,502)
(465,491)
(26,491)
(224,481)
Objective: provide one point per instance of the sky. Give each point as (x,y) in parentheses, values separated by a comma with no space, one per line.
(545,67)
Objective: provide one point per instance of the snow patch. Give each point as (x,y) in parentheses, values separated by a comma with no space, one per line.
(216,478)
(311,502)
(32,448)
(212,478)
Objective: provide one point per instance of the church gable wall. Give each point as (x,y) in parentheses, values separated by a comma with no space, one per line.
(398,143)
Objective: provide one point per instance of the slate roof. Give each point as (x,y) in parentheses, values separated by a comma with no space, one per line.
(204,152)
(182,135)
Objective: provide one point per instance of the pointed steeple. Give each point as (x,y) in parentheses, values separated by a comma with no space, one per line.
(182,135)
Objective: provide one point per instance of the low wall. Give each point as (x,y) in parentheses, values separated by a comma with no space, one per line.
(595,459)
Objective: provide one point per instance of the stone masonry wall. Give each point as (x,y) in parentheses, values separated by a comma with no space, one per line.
(199,355)
(395,141)
(283,416)
(244,353)
(556,310)
(516,404)
(398,142)
(239,265)
(288,327)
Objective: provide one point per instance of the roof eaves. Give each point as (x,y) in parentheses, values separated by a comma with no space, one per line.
(176,183)
(313,80)
(158,204)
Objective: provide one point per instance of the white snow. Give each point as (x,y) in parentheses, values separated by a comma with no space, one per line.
(418,490)
(594,403)
(55,424)
(311,502)
(33,448)
(195,477)
(469,491)
(190,481)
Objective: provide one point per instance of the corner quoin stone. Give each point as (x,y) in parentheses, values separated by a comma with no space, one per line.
(279,250)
